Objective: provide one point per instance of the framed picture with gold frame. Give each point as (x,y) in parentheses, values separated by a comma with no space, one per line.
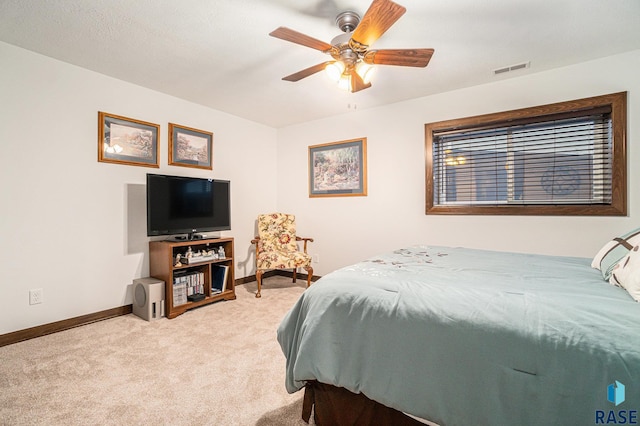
(128,141)
(190,147)
(338,169)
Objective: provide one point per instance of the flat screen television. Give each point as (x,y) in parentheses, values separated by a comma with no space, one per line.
(187,205)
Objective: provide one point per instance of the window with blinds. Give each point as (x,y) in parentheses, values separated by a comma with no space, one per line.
(566,158)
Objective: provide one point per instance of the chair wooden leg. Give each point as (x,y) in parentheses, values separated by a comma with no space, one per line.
(259,281)
(309,270)
(295,271)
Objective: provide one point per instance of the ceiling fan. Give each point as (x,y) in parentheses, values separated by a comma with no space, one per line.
(351,51)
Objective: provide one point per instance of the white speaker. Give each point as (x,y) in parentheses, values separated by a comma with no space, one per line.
(148,298)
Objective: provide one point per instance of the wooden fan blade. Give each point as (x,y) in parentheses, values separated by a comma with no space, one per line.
(299,38)
(357,83)
(401,57)
(307,72)
(380,16)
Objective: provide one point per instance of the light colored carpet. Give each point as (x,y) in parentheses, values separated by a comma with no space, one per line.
(215,365)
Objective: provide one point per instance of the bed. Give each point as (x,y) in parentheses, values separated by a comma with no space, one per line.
(459,336)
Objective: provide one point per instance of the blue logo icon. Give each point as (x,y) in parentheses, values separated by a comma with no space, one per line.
(615,393)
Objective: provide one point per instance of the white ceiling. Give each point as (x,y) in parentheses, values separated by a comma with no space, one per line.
(218,52)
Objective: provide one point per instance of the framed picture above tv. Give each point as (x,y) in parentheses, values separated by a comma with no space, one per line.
(125,140)
(338,169)
(190,147)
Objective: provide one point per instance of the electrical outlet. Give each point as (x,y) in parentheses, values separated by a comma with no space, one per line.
(35,296)
(316,258)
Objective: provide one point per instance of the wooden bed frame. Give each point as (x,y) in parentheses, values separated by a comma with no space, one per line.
(337,406)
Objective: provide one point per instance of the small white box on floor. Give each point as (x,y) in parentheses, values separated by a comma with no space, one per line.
(148,298)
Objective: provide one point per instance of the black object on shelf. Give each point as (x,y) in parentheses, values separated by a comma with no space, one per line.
(195,297)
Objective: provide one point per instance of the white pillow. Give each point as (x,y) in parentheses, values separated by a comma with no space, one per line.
(626,273)
(613,251)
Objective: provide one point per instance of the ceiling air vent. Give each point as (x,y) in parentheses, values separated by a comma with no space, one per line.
(511,68)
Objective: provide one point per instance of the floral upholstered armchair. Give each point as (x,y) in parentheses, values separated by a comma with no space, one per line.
(277,248)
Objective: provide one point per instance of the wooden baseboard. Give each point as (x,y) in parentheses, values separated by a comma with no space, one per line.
(273,273)
(288,273)
(54,327)
(252,278)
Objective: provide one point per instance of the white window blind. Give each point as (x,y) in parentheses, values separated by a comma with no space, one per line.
(565,159)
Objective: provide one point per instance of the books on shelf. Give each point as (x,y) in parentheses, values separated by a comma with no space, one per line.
(186,285)
(179,292)
(220,274)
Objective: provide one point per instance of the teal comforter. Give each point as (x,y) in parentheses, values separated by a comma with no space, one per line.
(471,337)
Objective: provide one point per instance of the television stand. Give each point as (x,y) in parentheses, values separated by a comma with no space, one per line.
(203,277)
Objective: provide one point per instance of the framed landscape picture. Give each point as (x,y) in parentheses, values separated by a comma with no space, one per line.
(338,169)
(190,147)
(124,140)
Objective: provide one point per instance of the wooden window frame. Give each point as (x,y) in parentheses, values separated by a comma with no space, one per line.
(618,206)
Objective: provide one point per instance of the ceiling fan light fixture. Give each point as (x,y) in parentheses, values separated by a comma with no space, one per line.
(334,70)
(365,71)
(351,51)
(344,83)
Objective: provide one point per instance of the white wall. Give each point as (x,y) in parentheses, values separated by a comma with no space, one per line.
(349,229)
(77,228)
